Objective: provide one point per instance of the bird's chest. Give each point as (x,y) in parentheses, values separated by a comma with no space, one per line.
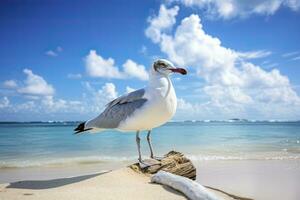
(160,108)
(167,105)
(163,107)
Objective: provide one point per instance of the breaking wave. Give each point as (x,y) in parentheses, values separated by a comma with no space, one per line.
(130,159)
(64,161)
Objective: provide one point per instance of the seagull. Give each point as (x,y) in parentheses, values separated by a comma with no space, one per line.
(140,110)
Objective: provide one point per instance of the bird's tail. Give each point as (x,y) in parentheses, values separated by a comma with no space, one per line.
(81,128)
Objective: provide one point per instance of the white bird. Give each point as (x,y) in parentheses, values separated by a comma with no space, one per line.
(140,110)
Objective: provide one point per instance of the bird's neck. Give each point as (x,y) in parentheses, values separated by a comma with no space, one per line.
(161,83)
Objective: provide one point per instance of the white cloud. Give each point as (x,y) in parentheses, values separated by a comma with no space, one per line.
(53,105)
(50,104)
(51,53)
(91,104)
(232,84)
(289,54)
(109,91)
(164,21)
(295,55)
(96,66)
(4,102)
(47,106)
(40,95)
(55,52)
(254,54)
(35,85)
(183,105)
(74,76)
(96,100)
(270,65)
(132,69)
(10,84)
(27,106)
(228,9)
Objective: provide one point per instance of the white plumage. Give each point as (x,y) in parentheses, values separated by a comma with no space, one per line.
(142,109)
(159,108)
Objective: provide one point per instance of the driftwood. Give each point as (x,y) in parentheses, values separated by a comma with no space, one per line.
(191,189)
(173,162)
(175,170)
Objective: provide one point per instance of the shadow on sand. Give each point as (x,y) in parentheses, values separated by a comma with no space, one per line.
(47,184)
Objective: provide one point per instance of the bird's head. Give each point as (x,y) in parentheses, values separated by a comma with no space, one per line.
(165,67)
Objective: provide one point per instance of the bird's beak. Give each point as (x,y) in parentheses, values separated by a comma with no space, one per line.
(179,70)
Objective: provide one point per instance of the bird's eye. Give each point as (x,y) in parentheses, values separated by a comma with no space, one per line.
(159,64)
(163,65)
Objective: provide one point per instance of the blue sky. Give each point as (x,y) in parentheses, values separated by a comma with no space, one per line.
(63,60)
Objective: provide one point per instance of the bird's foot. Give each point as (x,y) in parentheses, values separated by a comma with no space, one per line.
(159,158)
(148,163)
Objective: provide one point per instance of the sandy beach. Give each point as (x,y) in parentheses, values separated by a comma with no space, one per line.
(255,179)
(118,184)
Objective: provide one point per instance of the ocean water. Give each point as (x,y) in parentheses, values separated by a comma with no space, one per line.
(44,144)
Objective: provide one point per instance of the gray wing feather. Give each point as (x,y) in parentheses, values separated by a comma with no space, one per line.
(119,109)
(132,96)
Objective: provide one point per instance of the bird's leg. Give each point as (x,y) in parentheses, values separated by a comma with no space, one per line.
(138,142)
(149,143)
(143,163)
(151,148)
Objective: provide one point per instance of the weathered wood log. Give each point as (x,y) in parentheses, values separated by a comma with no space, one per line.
(191,189)
(173,162)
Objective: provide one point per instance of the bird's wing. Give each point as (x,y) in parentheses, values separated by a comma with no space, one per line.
(119,110)
(126,98)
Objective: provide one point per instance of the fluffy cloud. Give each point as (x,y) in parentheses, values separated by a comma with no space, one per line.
(163,22)
(96,66)
(96,100)
(132,69)
(109,91)
(49,104)
(45,107)
(40,95)
(35,85)
(231,82)
(227,9)
(38,98)
(10,84)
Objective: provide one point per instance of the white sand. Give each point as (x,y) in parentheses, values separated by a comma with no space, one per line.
(119,184)
(257,179)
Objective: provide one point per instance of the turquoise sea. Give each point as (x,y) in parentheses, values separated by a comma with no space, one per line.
(51,143)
